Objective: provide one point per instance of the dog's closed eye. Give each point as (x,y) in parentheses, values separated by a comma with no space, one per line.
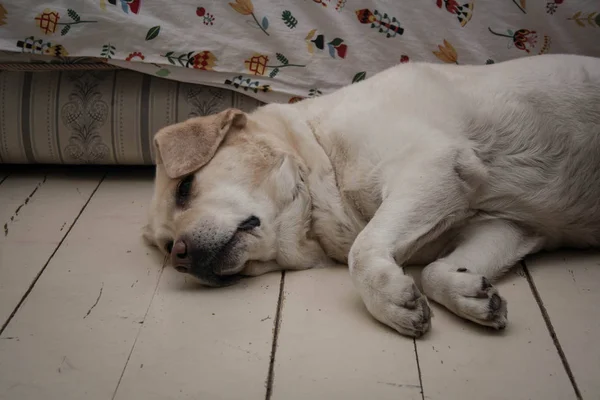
(183,190)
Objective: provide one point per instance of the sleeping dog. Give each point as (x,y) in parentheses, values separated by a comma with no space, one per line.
(464,169)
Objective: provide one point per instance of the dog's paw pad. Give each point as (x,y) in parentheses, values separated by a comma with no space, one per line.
(485,284)
(400,305)
(476,299)
(495,303)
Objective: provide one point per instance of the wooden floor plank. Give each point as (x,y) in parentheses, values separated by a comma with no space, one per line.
(460,360)
(200,343)
(37,210)
(569,287)
(74,333)
(3,175)
(13,193)
(101,318)
(329,347)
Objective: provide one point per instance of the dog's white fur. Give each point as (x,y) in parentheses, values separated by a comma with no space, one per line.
(464,168)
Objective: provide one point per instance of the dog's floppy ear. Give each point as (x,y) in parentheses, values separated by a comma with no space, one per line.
(187,146)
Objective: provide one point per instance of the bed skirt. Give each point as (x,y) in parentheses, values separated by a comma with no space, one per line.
(97,116)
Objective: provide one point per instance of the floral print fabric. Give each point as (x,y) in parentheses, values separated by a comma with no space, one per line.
(283,51)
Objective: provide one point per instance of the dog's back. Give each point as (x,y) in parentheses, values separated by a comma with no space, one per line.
(537,130)
(534,123)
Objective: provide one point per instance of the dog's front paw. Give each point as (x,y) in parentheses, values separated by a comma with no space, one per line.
(395,300)
(473,297)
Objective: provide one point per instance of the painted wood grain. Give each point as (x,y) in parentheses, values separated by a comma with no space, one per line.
(569,287)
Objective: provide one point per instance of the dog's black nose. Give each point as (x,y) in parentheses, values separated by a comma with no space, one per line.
(249,224)
(180,257)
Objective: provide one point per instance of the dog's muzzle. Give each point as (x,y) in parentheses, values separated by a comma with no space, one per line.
(213,261)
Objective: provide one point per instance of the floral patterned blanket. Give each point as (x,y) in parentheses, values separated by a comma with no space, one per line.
(283,51)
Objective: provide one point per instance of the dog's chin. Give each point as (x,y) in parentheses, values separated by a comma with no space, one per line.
(217,281)
(228,269)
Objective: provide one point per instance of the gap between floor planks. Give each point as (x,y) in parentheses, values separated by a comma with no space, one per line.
(25,202)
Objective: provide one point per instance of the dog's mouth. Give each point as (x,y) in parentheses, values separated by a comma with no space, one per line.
(222,268)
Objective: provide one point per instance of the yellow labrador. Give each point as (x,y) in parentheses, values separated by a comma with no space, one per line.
(464,168)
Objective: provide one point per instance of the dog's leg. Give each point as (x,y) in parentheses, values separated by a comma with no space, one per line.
(461,280)
(421,207)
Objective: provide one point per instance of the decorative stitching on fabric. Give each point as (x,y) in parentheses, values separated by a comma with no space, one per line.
(121,110)
(3,119)
(57,117)
(48,125)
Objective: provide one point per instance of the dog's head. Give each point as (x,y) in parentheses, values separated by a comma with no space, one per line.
(227,193)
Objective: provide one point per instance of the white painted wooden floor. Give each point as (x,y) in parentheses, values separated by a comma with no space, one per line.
(88,312)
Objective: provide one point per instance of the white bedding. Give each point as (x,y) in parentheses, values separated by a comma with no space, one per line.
(281,51)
